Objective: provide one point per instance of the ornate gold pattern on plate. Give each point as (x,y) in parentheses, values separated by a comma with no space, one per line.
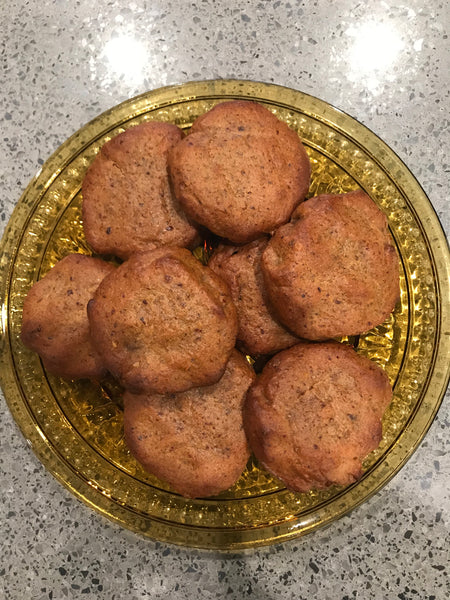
(76,428)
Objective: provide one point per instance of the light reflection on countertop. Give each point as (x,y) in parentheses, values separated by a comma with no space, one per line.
(374,51)
(126,57)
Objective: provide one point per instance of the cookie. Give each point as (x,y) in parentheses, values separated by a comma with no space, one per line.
(240,172)
(163,322)
(333,270)
(55,322)
(193,440)
(128,205)
(240,266)
(315,413)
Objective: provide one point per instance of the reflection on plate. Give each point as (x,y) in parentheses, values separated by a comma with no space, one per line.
(76,428)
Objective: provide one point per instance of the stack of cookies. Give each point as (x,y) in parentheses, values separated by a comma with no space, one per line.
(286,276)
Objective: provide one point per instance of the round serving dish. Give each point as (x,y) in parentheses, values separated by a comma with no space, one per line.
(75,428)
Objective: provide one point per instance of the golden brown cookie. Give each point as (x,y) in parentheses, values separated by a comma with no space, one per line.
(128,205)
(240,172)
(315,413)
(55,322)
(240,266)
(333,270)
(194,440)
(163,322)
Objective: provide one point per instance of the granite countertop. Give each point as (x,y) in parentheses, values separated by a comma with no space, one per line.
(386,64)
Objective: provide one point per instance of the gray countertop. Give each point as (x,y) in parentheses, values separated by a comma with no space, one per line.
(386,64)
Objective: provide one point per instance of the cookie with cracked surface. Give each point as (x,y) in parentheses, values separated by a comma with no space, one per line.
(240,266)
(163,322)
(128,205)
(193,440)
(240,172)
(55,322)
(333,269)
(315,413)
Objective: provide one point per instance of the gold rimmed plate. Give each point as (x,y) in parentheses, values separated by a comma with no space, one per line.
(75,428)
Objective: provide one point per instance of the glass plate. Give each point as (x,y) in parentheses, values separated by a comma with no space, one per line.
(76,428)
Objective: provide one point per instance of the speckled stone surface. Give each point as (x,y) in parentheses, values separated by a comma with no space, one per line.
(385,63)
